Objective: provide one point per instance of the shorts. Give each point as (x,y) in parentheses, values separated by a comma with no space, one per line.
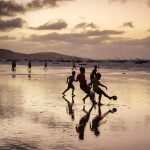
(70,86)
(98,91)
(85,88)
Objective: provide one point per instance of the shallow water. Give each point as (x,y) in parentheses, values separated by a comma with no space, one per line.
(33,114)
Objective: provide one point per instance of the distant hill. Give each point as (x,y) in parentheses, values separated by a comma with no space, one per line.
(10,55)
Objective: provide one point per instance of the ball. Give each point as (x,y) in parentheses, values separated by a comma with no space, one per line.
(114,97)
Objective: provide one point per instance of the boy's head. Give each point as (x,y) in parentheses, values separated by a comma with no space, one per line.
(95,67)
(98,76)
(73,72)
(82,69)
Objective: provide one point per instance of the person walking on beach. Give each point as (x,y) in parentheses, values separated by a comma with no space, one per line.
(45,65)
(96,83)
(29,66)
(83,85)
(70,81)
(74,66)
(13,66)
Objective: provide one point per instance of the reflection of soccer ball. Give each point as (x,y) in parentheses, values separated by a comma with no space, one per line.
(114,109)
(114,97)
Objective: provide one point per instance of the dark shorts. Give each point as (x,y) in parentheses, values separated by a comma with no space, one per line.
(85,88)
(71,86)
(98,91)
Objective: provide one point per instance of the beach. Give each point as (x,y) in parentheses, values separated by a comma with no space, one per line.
(35,116)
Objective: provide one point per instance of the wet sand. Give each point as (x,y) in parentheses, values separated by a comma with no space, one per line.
(34,116)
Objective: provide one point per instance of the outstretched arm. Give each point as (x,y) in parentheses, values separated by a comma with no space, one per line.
(103,85)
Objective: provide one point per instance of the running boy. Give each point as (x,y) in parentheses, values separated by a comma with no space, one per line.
(96,83)
(83,85)
(70,80)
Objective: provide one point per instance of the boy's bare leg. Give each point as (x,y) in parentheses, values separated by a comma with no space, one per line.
(99,99)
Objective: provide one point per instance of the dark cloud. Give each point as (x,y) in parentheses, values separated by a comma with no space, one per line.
(85,25)
(12,8)
(7,38)
(128,24)
(103,32)
(6,25)
(37,4)
(60,24)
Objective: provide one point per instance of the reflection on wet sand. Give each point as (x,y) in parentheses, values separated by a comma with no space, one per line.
(98,120)
(80,128)
(33,113)
(70,107)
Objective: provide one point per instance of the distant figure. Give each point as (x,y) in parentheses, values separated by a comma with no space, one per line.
(73,66)
(96,83)
(97,121)
(13,66)
(83,85)
(29,66)
(45,66)
(70,81)
(70,107)
(82,123)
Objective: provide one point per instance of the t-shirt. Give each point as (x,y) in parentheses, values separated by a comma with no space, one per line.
(95,83)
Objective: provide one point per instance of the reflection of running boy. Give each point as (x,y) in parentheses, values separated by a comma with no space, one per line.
(97,120)
(96,83)
(83,85)
(70,80)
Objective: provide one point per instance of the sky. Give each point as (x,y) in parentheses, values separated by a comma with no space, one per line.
(98,29)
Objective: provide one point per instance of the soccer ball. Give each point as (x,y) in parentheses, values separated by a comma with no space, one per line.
(114,97)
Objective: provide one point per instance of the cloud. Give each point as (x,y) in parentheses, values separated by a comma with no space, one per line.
(90,37)
(37,4)
(7,25)
(60,24)
(7,38)
(103,32)
(12,8)
(128,24)
(124,1)
(67,38)
(85,25)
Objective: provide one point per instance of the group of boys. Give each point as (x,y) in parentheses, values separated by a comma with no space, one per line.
(94,77)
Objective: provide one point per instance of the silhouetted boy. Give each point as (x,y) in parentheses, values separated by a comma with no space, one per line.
(83,85)
(96,83)
(70,80)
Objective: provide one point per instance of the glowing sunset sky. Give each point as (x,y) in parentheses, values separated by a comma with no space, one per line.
(86,28)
